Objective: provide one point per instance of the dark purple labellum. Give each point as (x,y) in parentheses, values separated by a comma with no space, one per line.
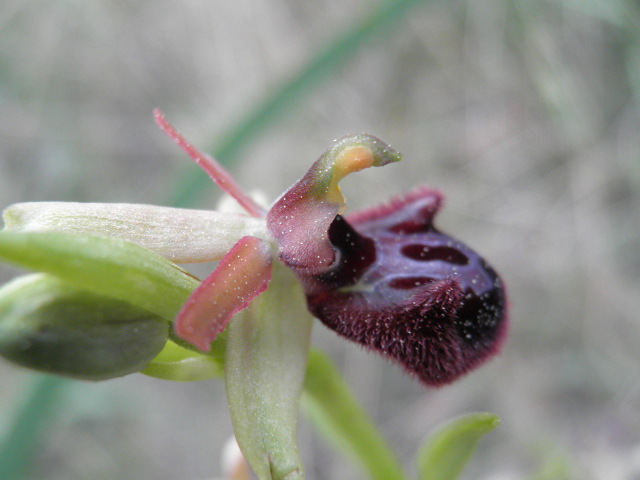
(410,292)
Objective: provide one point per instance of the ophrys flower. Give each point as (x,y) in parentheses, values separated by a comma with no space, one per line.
(384,277)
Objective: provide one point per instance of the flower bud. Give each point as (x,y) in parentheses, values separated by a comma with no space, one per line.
(50,326)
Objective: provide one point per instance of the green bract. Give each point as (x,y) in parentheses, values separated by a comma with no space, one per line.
(265,367)
(180,364)
(449,449)
(106,266)
(50,326)
(116,274)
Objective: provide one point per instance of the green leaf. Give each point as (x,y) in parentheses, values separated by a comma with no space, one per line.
(50,326)
(332,407)
(265,366)
(106,266)
(448,451)
(183,365)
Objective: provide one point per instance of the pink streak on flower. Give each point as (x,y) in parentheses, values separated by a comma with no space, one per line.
(243,274)
(219,175)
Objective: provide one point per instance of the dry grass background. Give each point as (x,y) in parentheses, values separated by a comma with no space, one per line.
(524,112)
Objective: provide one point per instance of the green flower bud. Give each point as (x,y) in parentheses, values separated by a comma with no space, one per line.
(50,326)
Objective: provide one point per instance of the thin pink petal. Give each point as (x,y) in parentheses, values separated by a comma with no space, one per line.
(243,274)
(216,171)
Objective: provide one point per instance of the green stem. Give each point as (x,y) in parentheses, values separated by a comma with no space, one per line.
(335,411)
(22,441)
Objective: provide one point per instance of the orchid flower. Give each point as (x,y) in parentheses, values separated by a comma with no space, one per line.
(385,278)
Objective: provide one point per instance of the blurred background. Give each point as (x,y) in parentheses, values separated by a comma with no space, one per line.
(525,113)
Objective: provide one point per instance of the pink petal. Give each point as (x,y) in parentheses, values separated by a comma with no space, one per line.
(300,219)
(217,173)
(243,274)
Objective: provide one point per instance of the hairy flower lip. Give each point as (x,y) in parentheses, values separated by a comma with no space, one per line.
(420,297)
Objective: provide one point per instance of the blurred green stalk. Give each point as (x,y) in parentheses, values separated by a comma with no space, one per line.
(275,104)
(337,414)
(23,437)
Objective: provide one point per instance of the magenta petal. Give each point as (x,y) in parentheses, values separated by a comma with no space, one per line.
(243,274)
(300,219)
(301,229)
(211,166)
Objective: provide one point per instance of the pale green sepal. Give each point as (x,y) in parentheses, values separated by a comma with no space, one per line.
(50,326)
(178,234)
(336,413)
(265,366)
(447,451)
(106,266)
(179,364)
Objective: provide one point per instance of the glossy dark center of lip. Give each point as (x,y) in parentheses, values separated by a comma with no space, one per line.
(425,253)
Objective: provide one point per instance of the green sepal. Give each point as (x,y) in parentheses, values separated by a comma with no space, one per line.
(50,326)
(265,366)
(180,364)
(103,265)
(447,451)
